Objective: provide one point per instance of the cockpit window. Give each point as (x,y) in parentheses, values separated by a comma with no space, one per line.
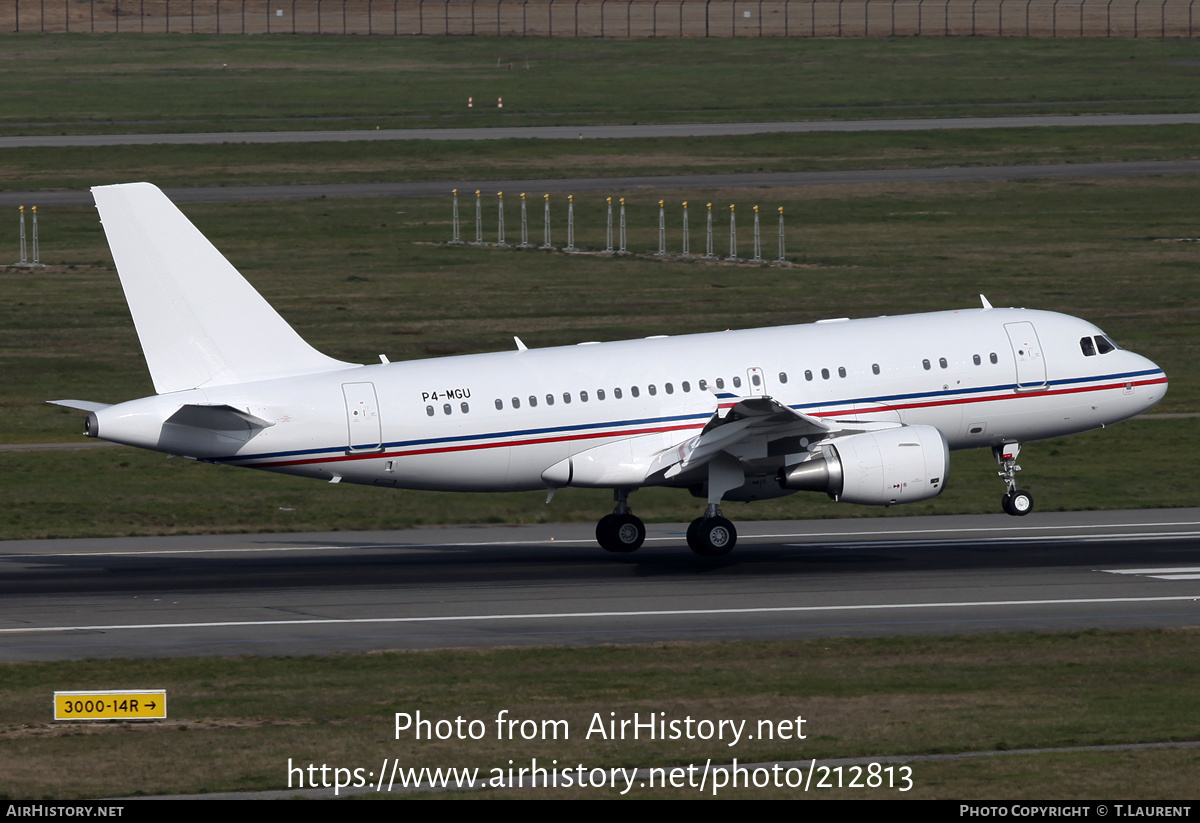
(1089,350)
(1104,344)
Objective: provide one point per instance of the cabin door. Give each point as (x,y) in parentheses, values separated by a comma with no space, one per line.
(1027,351)
(362,418)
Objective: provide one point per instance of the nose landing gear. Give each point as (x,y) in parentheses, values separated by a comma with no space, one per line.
(1016,502)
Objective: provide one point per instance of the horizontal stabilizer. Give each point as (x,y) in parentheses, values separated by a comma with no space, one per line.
(199,322)
(217,418)
(82,405)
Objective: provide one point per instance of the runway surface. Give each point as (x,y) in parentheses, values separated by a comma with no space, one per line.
(602,132)
(957,174)
(549,584)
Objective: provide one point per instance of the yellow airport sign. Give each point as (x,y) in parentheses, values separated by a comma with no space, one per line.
(139,704)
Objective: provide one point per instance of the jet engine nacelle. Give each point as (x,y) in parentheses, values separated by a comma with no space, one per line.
(876,468)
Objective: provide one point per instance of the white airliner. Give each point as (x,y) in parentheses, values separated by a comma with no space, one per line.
(866,411)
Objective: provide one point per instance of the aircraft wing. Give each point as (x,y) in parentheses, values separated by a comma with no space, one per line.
(746,428)
(751,429)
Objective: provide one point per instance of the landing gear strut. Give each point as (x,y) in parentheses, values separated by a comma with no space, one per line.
(711,535)
(1016,501)
(621,531)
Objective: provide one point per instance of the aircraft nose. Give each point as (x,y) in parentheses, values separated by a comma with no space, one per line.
(1152,382)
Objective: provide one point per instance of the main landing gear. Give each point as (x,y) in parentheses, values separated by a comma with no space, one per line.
(1016,501)
(621,531)
(711,535)
(708,536)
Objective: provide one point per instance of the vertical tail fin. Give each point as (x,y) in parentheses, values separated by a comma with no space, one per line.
(199,322)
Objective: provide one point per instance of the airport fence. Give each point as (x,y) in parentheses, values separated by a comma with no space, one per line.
(612,18)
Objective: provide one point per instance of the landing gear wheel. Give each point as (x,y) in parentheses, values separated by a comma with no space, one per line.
(1018,503)
(620,533)
(711,536)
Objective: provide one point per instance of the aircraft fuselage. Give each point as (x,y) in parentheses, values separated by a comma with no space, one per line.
(491,422)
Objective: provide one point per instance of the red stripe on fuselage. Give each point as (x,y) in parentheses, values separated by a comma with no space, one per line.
(472,446)
(1016,396)
(658,429)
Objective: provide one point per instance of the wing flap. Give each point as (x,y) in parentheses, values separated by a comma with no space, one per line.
(740,425)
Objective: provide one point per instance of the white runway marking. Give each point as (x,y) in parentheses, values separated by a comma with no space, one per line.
(1185,573)
(575,615)
(1003,534)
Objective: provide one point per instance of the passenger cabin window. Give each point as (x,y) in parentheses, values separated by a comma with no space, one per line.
(532,401)
(756,380)
(429,410)
(465,408)
(566,397)
(516,402)
(841,371)
(807,374)
(617,394)
(824,374)
(942,362)
(599,394)
(583,397)
(720,382)
(702,385)
(670,389)
(652,389)
(976,359)
(687,387)
(783,377)
(499,404)
(993,358)
(446,409)
(549,400)
(737,382)
(874,368)
(925,363)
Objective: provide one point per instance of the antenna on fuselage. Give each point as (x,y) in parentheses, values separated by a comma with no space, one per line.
(986,304)
(520,346)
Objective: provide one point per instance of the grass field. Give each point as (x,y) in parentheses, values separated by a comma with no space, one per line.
(122,83)
(242,719)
